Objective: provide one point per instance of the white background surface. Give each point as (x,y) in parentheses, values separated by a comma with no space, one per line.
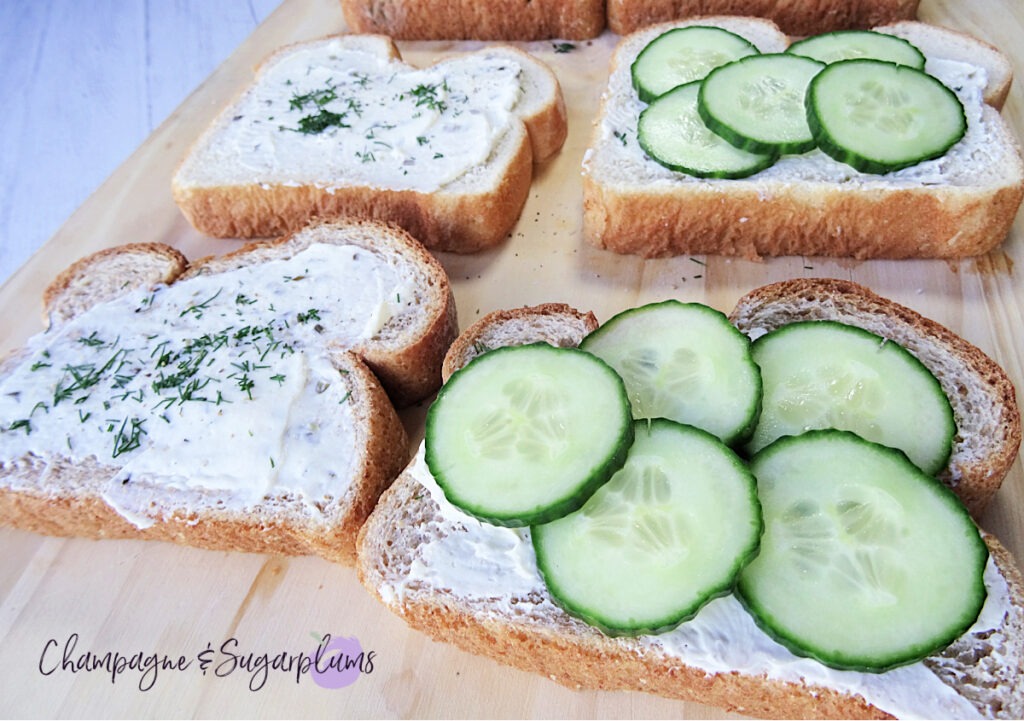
(83,84)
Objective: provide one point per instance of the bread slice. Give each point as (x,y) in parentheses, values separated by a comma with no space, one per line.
(341,126)
(960,205)
(476,20)
(983,397)
(477,586)
(233,408)
(558,324)
(796,17)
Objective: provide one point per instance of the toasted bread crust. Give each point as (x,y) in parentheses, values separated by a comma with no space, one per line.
(795,17)
(756,219)
(959,366)
(473,20)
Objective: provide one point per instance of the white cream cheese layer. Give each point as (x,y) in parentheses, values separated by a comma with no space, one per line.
(216,384)
(496,568)
(349,116)
(618,154)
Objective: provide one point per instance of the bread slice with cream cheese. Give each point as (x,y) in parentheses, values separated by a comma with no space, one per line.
(961,204)
(233,403)
(341,126)
(477,586)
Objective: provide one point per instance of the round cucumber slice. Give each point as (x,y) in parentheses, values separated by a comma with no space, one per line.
(823,374)
(526,434)
(866,562)
(757,103)
(880,117)
(683,55)
(667,534)
(672,133)
(685,362)
(858,44)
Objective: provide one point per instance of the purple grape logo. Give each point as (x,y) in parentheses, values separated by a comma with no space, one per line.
(338,662)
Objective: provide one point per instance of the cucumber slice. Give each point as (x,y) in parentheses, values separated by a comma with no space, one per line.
(858,44)
(526,434)
(866,562)
(881,117)
(668,533)
(671,132)
(757,103)
(683,55)
(685,362)
(823,374)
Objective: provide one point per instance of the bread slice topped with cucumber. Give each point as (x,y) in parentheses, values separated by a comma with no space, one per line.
(720,135)
(818,573)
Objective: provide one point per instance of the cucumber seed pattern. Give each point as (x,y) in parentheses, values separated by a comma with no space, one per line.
(528,420)
(636,509)
(888,109)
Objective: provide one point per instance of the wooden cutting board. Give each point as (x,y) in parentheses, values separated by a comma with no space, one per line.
(133,598)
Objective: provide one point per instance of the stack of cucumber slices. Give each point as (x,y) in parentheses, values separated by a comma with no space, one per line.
(670,460)
(718,108)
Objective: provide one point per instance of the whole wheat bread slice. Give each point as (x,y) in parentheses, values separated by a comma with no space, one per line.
(248,380)
(476,20)
(477,586)
(795,17)
(343,127)
(961,204)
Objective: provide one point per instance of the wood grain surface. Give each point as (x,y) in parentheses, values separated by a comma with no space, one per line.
(157,599)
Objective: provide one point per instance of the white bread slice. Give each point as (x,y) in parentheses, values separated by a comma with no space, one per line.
(477,586)
(446,151)
(233,408)
(477,19)
(795,17)
(982,395)
(962,204)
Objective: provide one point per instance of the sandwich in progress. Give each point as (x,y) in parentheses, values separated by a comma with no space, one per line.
(519,599)
(238,402)
(773,195)
(343,127)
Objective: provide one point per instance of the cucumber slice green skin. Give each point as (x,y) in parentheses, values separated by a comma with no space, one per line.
(774,590)
(685,362)
(669,533)
(559,418)
(858,44)
(683,55)
(846,128)
(672,133)
(795,370)
(757,103)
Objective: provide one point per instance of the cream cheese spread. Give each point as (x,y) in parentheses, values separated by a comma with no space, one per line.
(332,115)
(618,153)
(219,384)
(495,568)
